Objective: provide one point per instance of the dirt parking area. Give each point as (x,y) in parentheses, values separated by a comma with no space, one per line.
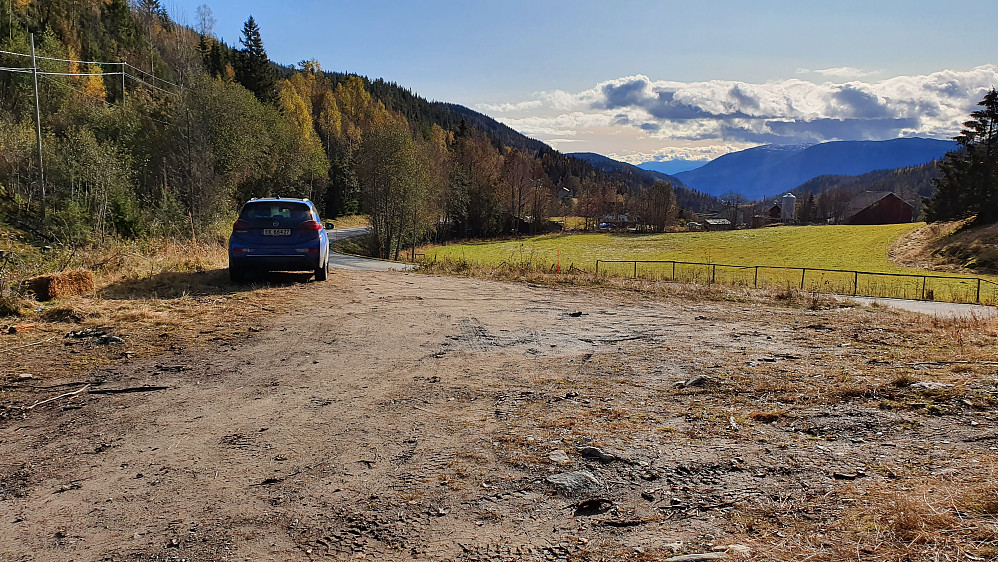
(397,416)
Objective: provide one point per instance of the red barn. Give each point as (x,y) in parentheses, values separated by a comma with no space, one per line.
(878,207)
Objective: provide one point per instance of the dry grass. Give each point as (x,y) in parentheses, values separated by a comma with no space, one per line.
(768,416)
(61,285)
(352,220)
(546,275)
(956,246)
(154,294)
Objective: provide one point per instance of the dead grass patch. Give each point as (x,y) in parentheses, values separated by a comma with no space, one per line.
(62,285)
(352,220)
(767,416)
(805,299)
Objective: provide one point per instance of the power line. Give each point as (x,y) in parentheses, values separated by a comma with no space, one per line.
(41,73)
(139,80)
(153,76)
(56,59)
(71,61)
(102,74)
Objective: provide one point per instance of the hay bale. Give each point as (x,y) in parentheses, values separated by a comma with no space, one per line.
(62,285)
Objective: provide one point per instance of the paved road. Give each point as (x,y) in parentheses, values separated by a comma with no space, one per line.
(937,309)
(354,263)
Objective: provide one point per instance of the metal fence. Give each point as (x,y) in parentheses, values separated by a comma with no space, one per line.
(942,288)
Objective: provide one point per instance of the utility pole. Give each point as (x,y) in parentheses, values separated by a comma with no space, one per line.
(414,203)
(38,123)
(122,80)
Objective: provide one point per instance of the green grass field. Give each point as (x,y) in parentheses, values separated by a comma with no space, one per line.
(844,247)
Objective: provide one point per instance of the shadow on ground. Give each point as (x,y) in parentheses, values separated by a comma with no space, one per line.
(176,284)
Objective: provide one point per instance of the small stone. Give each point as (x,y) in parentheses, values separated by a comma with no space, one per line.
(558,456)
(25,377)
(699,380)
(573,481)
(596,453)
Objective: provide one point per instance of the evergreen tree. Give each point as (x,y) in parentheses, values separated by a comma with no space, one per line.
(969,181)
(253,69)
(116,18)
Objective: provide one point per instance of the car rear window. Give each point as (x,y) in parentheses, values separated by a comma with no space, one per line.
(275,210)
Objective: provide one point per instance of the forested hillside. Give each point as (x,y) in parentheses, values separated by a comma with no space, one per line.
(153,128)
(689,199)
(826,197)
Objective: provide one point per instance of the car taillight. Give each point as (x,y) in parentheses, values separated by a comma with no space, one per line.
(310,225)
(240,226)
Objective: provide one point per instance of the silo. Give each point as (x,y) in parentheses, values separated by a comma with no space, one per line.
(788,209)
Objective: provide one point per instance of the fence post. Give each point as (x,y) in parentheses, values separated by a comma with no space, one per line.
(923,288)
(713,274)
(757,277)
(803,271)
(673,271)
(635,269)
(597,268)
(978,290)
(855,284)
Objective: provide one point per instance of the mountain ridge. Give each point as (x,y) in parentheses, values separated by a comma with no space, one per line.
(689,199)
(768,170)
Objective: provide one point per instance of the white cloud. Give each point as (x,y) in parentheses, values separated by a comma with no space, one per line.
(841,72)
(508,107)
(726,113)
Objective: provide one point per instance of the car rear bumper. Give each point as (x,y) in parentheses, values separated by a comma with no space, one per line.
(261,259)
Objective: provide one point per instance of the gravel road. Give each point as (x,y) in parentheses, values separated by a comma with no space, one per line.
(399,416)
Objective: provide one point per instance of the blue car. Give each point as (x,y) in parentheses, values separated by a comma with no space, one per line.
(278,234)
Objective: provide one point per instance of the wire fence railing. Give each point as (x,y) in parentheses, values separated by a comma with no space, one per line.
(943,288)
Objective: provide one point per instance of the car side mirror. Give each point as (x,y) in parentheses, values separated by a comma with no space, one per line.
(328,225)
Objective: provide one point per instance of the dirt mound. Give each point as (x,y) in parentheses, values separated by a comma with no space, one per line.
(956,246)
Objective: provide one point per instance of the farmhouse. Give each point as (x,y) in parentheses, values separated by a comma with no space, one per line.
(717,224)
(878,207)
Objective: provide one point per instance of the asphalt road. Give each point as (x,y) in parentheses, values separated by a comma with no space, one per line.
(354,263)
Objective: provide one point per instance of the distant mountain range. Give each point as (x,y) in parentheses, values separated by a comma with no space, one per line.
(766,171)
(608,164)
(672,166)
(687,198)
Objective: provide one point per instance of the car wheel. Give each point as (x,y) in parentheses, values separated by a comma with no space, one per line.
(322,272)
(236,275)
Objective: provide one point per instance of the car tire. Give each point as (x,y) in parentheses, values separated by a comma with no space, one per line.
(236,275)
(323,272)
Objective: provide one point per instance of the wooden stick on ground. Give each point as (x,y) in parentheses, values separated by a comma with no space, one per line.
(66,395)
(29,345)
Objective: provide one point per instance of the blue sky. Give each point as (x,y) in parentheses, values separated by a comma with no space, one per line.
(655,80)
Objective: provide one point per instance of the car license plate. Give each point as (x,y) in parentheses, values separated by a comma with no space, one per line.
(277,232)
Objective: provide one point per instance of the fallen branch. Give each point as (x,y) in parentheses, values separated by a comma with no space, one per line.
(129,390)
(622,524)
(28,345)
(942,363)
(65,395)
